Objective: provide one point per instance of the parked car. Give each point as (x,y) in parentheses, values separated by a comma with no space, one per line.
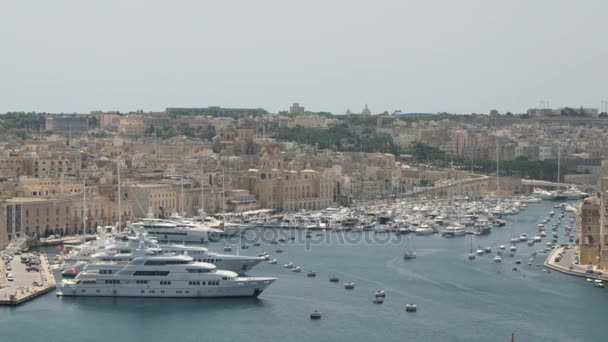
(35,283)
(9,277)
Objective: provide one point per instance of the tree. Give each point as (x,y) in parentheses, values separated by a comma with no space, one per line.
(494,112)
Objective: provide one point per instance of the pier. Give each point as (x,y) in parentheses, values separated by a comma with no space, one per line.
(26,284)
(567,263)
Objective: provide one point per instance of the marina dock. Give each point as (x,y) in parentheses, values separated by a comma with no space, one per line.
(22,287)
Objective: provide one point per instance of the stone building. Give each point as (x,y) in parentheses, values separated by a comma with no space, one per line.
(589,231)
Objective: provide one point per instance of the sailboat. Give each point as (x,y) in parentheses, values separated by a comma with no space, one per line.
(410,252)
(471,255)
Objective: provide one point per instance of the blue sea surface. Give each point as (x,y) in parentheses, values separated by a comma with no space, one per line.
(458,300)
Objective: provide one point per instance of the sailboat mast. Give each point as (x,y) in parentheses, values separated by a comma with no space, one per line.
(497,171)
(84,205)
(202,188)
(182,196)
(558,167)
(119,196)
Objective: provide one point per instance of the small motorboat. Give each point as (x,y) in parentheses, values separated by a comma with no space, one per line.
(513,248)
(497,259)
(502,247)
(296,269)
(349,285)
(289,265)
(380,293)
(471,256)
(315,315)
(262,253)
(480,252)
(378,300)
(411,307)
(279,250)
(409,255)
(273,261)
(598,283)
(518,261)
(334,279)
(488,249)
(311,274)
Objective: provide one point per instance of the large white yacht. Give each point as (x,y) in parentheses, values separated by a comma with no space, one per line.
(109,250)
(168,230)
(161,276)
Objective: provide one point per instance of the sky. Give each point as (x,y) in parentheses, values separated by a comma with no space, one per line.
(465,56)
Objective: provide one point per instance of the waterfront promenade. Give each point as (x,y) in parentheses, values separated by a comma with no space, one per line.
(567,264)
(22,288)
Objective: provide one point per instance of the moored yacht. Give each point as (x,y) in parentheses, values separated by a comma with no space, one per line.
(161,276)
(454,230)
(165,230)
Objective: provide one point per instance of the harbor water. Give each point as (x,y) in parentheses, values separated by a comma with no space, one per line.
(457,299)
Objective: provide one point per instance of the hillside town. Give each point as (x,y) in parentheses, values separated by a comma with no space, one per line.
(60,173)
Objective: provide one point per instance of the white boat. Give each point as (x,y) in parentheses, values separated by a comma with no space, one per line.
(513,248)
(497,259)
(454,230)
(424,229)
(164,230)
(110,250)
(349,285)
(161,276)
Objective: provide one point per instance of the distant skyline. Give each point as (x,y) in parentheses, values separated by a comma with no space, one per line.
(415,56)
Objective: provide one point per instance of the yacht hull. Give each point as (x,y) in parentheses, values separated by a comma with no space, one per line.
(236,288)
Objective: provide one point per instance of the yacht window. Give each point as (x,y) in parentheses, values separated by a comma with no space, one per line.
(197,270)
(165,282)
(151,273)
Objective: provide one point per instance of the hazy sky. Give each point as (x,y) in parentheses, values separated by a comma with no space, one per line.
(423,56)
